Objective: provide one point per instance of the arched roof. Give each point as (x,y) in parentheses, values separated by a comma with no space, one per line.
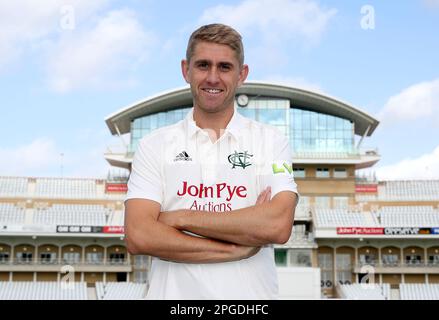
(119,122)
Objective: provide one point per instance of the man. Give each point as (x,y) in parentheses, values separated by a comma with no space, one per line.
(209,196)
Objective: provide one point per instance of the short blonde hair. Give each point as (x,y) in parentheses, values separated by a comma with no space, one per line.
(219,34)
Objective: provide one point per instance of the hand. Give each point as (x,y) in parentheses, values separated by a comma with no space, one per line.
(264,196)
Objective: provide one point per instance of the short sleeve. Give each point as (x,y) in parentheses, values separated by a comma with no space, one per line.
(278,168)
(145,180)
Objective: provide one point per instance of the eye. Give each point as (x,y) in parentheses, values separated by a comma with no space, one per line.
(225,67)
(203,65)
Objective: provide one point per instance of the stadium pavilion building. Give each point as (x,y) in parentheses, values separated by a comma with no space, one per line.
(348,231)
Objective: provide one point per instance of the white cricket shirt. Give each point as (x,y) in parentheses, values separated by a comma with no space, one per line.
(179,167)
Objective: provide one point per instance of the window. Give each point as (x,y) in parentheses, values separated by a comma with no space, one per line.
(326,267)
(432,259)
(367,259)
(24,257)
(390,259)
(117,258)
(344,261)
(322,173)
(341,202)
(48,258)
(413,260)
(340,173)
(344,277)
(140,262)
(323,202)
(4,257)
(300,258)
(71,257)
(95,257)
(299,172)
(280,257)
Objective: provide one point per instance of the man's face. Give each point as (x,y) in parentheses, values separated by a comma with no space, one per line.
(214,75)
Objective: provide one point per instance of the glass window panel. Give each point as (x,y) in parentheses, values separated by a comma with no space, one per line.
(322,173)
(339,134)
(331,123)
(153,119)
(323,202)
(306,134)
(299,172)
(280,257)
(314,121)
(247,112)
(300,258)
(340,173)
(272,116)
(306,121)
(331,134)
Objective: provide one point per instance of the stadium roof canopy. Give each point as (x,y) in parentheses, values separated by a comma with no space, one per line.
(119,122)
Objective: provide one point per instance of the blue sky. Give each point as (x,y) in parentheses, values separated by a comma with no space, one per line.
(66,65)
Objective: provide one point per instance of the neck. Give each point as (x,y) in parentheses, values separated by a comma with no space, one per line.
(213,123)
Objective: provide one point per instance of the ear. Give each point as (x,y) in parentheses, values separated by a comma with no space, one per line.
(243,73)
(185,69)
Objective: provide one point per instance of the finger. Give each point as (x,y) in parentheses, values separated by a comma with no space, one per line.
(267,195)
(261,197)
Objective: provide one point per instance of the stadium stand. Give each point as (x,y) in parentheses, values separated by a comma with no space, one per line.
(42,291)
(63,214)
(13,187)
(417,291)
(66,188)
(364,291)
(120,291)
(11,214)
(408,216)
(343,217)
(116,218)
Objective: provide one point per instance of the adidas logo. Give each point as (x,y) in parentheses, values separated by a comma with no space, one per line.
(183,156)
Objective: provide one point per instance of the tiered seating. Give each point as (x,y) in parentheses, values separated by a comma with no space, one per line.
(416,190)
(408,216)
(365,197)
(359,291)
(72,214)
(120,291)
(417,291)
(66,188)
(43,291)
(117,218)
(11,214)
(343,218)
(13,186)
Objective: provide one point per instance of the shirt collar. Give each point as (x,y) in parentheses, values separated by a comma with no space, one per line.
(234,126)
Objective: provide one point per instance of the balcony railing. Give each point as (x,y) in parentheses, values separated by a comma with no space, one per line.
(400,265)
(23,262)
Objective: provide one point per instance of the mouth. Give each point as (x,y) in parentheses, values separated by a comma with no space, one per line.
(212,91)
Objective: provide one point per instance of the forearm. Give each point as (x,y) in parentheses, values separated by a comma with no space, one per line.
(266,223)
(239,226)
(162,241)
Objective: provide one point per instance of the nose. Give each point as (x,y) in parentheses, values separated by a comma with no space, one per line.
(213,75)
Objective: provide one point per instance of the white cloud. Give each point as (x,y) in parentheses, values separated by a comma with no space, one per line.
(100,57)
(420,101)
(431,3)
(273,20)
(40,155)
(24,24)
(423,167)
